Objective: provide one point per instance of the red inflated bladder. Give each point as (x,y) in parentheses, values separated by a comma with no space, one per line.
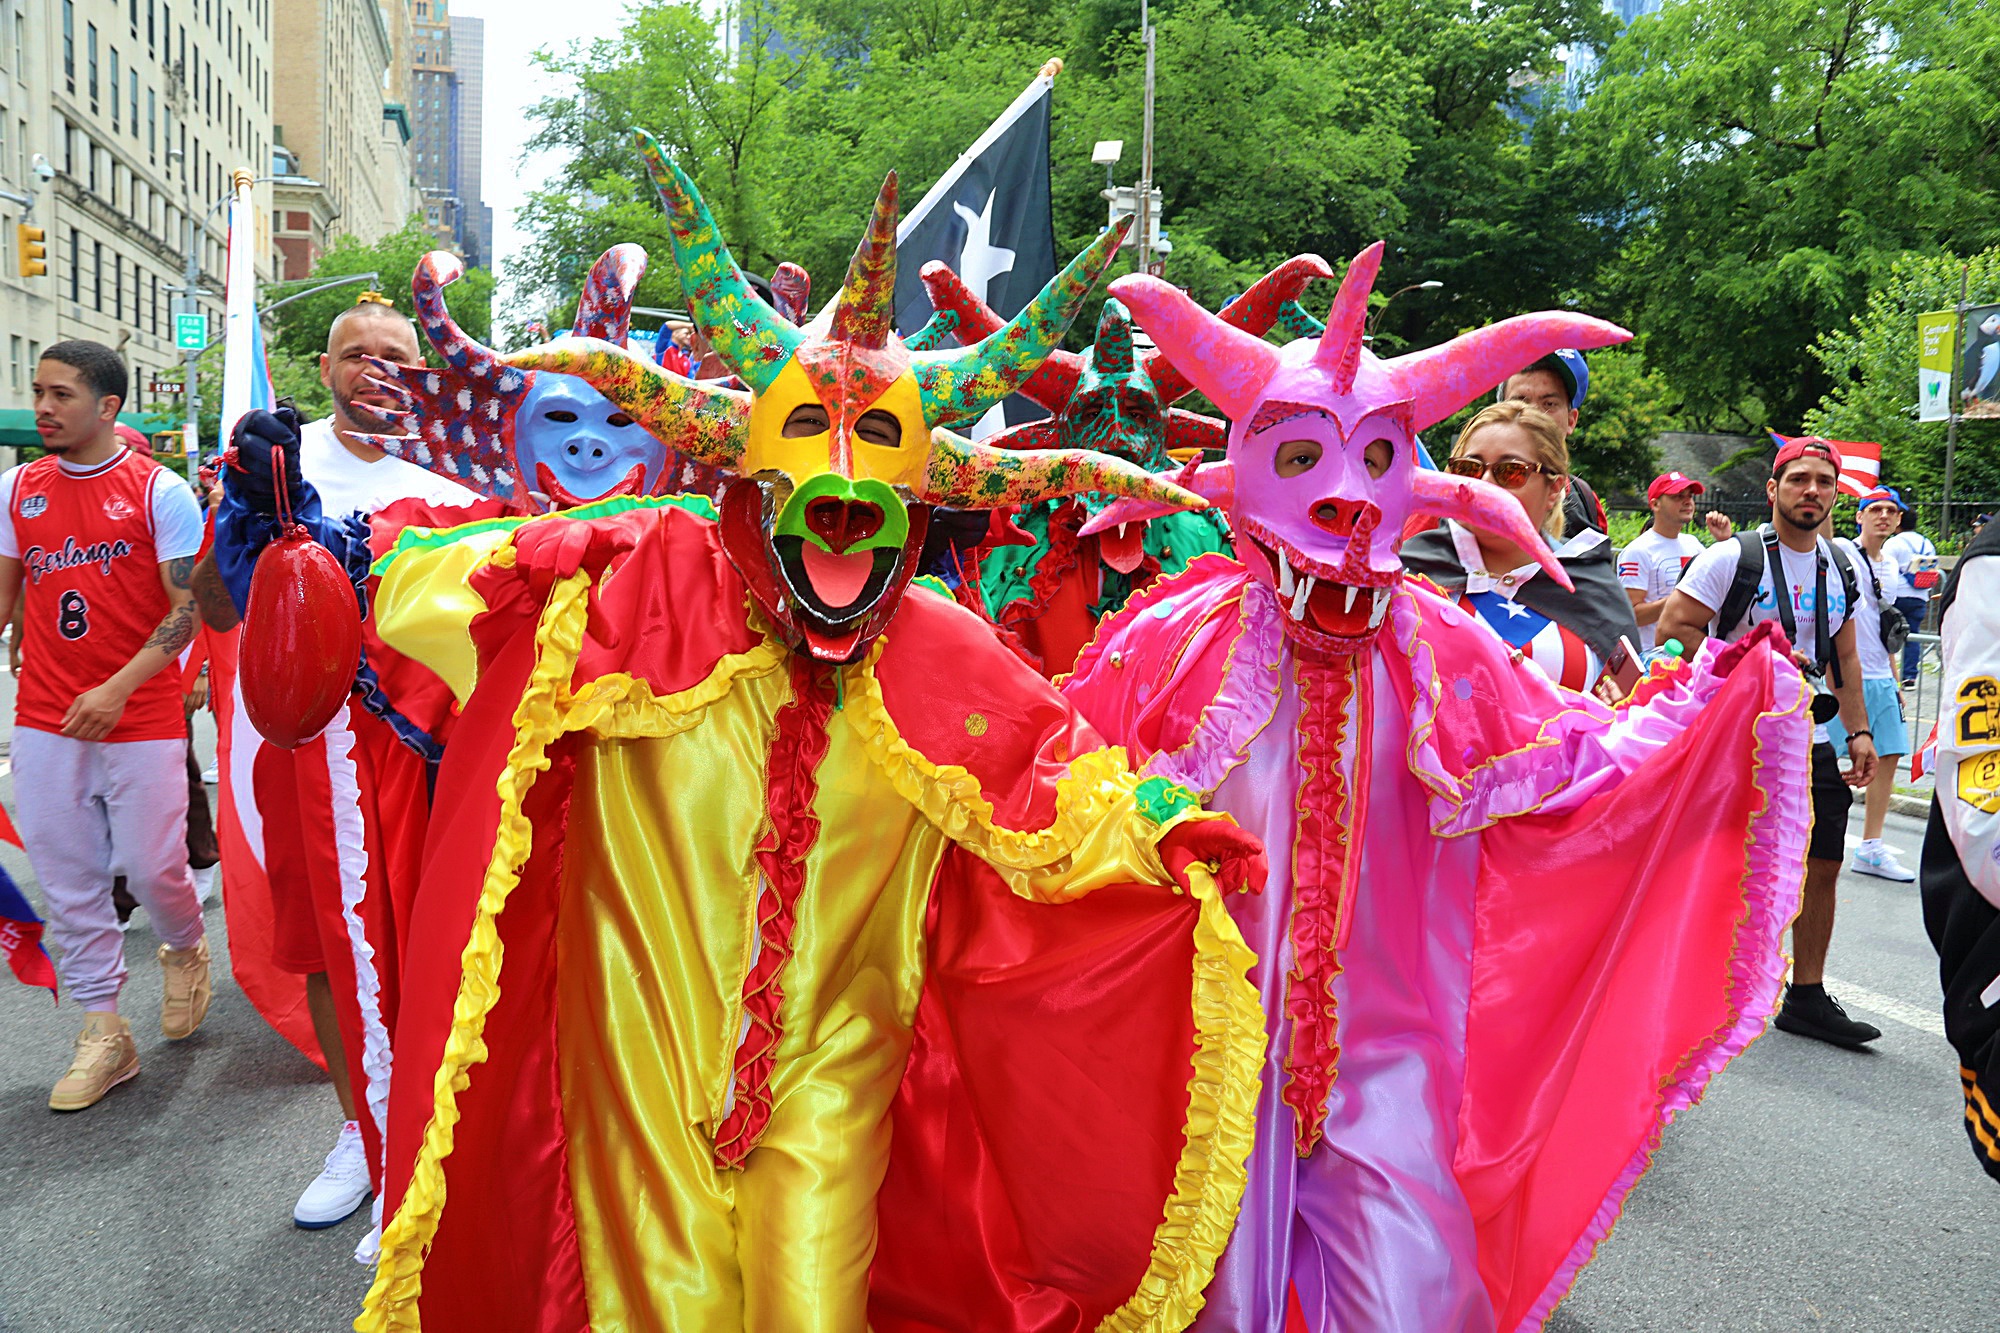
(301,640)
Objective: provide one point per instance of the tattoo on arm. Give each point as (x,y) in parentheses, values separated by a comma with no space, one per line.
(176,631)
(179,571)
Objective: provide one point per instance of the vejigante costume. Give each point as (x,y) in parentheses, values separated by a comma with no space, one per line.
(791,956)
(1049,591)
(1509,931)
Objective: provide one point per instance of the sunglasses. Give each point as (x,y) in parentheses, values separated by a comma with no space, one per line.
(1509,473)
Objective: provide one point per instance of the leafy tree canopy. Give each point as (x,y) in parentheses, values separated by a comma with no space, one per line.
(300,328)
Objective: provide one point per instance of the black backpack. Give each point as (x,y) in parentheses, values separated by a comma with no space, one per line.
(1750,561)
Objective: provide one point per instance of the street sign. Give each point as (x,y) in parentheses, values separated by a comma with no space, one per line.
(190,332)
(164,388)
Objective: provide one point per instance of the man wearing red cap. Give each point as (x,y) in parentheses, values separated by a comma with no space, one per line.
(1651,566)
(1785,571)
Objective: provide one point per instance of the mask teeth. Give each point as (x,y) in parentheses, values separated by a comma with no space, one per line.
(1351,590)
(1299,597)
(1381,607)
(1284,574)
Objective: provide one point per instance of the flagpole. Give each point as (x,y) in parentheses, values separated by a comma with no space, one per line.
(239,320)
(1015,109)
(1951,422)
(1146,151)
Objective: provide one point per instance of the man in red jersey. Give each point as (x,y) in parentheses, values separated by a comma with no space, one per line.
(99,544)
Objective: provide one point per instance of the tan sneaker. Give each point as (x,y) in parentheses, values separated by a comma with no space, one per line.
(105,1057)
(188,990)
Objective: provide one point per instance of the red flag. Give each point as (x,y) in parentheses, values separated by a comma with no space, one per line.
(1860,461)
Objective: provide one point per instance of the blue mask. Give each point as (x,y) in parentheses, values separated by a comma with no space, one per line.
(573,445)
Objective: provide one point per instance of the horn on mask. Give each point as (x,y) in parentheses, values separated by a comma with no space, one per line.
(706,424)
(605,309)
(1440,380)
(1111,352)
(1339,350)
(1050,387)
(460,350)
(1482,505)
(1255,311)
(1230,366)
(933,335)
(960,386)
(793,287)
(969,475)
(754,339)
(1213,482)
(865,315)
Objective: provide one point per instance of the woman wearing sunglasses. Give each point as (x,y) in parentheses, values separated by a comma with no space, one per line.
(1573,637)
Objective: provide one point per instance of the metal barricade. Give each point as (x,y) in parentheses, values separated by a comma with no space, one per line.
(1922,699)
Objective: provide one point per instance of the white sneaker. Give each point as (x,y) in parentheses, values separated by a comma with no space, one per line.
(340,1189)
(212,774)
(369,1252)
(205,882)
(1877,858)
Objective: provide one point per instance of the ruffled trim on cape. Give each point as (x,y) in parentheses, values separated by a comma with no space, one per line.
(1245,699)
(951,798)
(1517,782)
(1210,1177)
(1773,874)
(391,1303)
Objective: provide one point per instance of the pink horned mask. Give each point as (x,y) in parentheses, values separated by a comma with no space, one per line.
(1322,468)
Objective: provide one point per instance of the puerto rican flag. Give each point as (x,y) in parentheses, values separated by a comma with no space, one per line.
(1925,759)
(1562,656)
(20,928)
(1860,461)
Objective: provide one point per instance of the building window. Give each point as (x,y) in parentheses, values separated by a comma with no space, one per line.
(90,54)
(132,88)
(117,285)
(116,100)
(133,15)
(156,305)
(20,36)
(152,37)
(152,126)
(14,362)
(69,44)
(75,265)
(97,277)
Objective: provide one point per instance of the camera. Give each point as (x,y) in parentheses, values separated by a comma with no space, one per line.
(1825,704)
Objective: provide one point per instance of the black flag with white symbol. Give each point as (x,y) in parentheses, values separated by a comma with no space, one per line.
(989,218)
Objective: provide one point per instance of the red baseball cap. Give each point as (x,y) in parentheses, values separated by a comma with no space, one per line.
(133,439)
(1673,483)
(1809,447)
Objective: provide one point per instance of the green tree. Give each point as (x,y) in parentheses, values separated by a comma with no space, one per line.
(300,328)
(1771,159)
(1872,362)
(1628,408)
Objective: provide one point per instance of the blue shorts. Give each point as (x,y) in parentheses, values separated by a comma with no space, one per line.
(1885,719)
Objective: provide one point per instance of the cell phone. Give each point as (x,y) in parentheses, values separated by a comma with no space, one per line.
(1624,668)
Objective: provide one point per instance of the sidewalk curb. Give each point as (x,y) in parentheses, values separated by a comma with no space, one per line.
(1911,807)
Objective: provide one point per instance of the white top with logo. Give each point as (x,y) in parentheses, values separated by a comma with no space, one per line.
(177,524)
(1707,581)
(1652,565)
(350,485)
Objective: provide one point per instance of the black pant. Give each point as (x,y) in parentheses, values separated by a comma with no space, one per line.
(1832,798)
(1965,928)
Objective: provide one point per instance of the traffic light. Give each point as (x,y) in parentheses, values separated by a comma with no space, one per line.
(30,243)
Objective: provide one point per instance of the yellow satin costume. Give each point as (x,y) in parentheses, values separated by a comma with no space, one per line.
(659,929)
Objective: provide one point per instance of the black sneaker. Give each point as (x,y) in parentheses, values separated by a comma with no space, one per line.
(1809,1011)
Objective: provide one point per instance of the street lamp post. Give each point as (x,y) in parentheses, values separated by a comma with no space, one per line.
(1375,320)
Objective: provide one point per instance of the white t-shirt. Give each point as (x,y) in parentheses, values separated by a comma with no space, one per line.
(349,485)
(1868,612)
(1707,581)
(177,527)
(1652,565)
(1912,553)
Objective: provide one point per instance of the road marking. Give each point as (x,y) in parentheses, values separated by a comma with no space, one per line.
(1887,1006)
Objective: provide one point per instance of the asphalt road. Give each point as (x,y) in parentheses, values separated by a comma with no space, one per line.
(1814,1189)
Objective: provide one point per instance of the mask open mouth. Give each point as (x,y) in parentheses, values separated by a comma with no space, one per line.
(835,587)
(563,498)
(1123,547)
(1322,609)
